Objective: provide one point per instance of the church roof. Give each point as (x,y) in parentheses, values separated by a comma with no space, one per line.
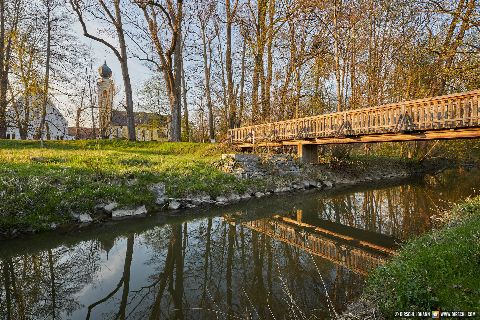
(83,133)
(119,118)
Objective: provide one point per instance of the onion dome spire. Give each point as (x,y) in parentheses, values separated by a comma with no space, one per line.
(104,71)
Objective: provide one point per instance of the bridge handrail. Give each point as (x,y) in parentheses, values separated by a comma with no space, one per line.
(239,135)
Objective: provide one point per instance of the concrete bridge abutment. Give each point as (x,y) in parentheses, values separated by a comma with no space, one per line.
(307,153)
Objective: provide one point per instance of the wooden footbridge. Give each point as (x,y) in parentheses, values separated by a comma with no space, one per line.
(455,116)
(360,256)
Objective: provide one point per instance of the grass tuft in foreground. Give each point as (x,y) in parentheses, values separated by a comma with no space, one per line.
(438,271)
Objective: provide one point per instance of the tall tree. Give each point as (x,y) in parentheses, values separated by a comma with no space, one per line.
(258,50)
(460,23)
(9,18)
(113,17)
(205,15)
(232,104)
(50,6)
(157,15)
(186,121)
(26,87)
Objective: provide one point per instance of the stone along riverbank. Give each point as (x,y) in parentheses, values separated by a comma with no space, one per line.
(84,182)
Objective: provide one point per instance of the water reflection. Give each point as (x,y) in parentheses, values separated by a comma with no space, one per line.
(359,256)
(300,256)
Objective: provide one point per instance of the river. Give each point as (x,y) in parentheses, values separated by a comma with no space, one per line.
(295,255)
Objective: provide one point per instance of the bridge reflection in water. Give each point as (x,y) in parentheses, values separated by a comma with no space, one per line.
(360,256)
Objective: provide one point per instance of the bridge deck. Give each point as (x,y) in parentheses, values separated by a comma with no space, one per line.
(444,117)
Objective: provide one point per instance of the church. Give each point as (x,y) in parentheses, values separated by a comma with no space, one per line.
(149,126)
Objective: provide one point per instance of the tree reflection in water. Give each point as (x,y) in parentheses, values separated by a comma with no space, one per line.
(219,268)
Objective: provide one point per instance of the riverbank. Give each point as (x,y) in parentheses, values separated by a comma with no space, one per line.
(83,182)
(437,271)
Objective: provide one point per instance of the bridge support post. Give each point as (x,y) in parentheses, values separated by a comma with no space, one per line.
(307,153)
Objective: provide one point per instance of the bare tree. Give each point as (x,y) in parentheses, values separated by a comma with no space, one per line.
(113,17)
(460,23)
(205,16)
(232,104)
(50,6)
(167,14)
(9,19)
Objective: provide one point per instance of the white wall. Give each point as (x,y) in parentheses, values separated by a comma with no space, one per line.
(56,122)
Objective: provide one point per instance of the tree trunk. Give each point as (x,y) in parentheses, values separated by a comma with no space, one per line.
(242,84)
(337,57)
(255,83)
(175,98)
(23,124)
(286,103)
(78,115)
(228,66)
(353,75)
(3,74)
(225,109)
(125,73)
(258,67)
(39,134)
(206,67)
(129,101)
(5,52)
(185,105)
(53,291)
(178,291)
(268,80)
(126,278)
(92,106)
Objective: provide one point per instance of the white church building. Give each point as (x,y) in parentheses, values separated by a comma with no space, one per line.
(56,126)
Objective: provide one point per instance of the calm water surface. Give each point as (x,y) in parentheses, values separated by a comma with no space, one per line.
(291,256)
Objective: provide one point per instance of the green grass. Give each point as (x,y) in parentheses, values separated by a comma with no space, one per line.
(440,270)
(39,186)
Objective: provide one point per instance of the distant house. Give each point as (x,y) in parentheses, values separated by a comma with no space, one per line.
(23,123)
(148,126)
(82,133)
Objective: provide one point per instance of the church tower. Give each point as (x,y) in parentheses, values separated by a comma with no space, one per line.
(105,100)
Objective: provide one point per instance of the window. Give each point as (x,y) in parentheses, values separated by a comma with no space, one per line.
(8,135)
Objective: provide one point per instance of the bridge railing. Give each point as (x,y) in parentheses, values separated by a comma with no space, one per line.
(459,110)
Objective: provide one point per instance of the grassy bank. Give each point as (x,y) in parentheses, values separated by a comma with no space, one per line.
(39,186)
(440,270)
